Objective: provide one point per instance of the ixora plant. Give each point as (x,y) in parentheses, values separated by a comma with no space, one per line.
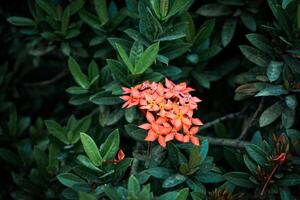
(100,99)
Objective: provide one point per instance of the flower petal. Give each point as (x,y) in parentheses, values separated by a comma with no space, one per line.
(169,137)
(145,126)
(150,117)
(161,141)
(195,140)
(152,136)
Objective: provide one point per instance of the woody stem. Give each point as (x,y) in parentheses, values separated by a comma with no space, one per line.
(268,180)
(236,143)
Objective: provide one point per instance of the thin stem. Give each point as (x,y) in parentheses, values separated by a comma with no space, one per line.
(252,121)
(218,120)
(226,142)
(47,82)
(268,180)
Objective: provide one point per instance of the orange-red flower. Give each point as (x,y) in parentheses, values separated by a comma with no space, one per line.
(169,111)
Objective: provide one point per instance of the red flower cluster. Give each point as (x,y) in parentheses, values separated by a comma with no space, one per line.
(169,110)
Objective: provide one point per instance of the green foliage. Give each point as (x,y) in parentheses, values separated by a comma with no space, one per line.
(65,135)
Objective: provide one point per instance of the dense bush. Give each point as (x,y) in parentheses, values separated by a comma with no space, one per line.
(68,66)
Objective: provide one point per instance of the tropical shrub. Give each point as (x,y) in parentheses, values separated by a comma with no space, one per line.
(100,99)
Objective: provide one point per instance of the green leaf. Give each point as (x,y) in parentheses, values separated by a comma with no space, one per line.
(125,58)
(174,180)
(289,180)
(65,20)
(91,149)
(21,21)
(285,193)
(118,71)
(214,10)
(228,31)
(135,132)
(260,42)
(250,164)
(168,196)
(209,53)
(56,130)
(270,114)
(86,196)
(248,21)
(240,179)
(47,7)
(292,62)
(69,179)
(81,126)
(288,118)
(205,31)
(85,161)
(75,6)
(90,19)
(100,100)
(80,78)
(101,9)
(110,147)
(159,172)
(133,187)
(9,157)
(183,194)
(164,7)
(93,71)
(257,154)
(136,51)
(177,6)
(147,58)
(274,70)
(255,56)
(291,101)
(204,147)
(111,192)
(272,90)
(210,177)
(40,160)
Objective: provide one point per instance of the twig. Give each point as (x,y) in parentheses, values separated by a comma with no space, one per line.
(252,121)
(225,142)
(218,120)
(47,82)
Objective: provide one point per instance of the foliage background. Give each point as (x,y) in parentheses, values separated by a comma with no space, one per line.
(60,60)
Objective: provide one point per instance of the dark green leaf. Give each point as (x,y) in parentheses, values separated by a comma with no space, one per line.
(272,90)
(274,70)
(270,114)
(99,99)
(147,58)
(174,180)
(260,42)
(289,180)
(255,56)
(135,132)
(91,149)
(69,179)
(214,10)
(56,130)
(228,31)
(110,147)
(21,21)
(240,179)
(101,9)
(257,154)
(248,21)
(80,78)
